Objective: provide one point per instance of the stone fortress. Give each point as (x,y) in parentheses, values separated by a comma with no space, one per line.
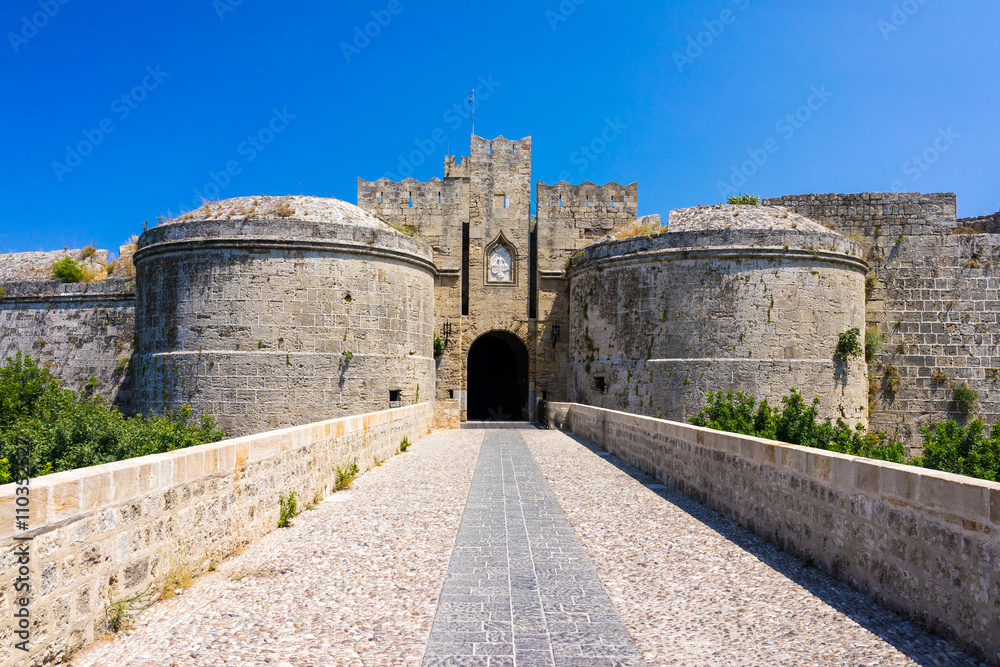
(272,312)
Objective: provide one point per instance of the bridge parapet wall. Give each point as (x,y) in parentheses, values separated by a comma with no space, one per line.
(923,543)
(128,522)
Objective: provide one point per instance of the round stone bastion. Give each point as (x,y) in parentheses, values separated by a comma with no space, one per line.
(730,298)
(267,312)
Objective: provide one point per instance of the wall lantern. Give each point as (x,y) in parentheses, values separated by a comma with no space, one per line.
(446,329)
(555,334)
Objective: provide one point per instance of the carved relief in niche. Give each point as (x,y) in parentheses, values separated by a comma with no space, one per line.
(500,262)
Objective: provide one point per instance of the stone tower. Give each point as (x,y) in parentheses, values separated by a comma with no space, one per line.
(500,293)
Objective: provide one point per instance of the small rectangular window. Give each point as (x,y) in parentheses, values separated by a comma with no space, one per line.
(451,393)
(395,396)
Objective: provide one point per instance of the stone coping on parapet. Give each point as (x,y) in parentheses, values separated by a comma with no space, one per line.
(956,499)
(922,542)
(290,235)
(724,244)
(64,495)
(309,220)
(53,291)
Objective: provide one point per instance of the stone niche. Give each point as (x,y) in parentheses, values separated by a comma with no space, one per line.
(732,298)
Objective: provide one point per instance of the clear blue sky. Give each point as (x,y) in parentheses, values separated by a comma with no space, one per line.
(893,81)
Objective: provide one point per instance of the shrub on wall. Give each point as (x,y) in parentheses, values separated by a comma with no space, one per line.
(744,200)
(68,270)
(64,430)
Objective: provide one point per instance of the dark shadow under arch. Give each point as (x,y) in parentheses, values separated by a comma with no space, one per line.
(498,378)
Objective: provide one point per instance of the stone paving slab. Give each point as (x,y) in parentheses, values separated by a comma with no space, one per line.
(353,582)
(694,589)
(520,590)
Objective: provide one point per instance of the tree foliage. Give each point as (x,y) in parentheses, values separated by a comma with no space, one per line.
(63,430)
(947,447)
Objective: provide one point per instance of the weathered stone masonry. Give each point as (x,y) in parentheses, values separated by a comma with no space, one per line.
(123,525)
(936,301)
(922,542)
(79,332)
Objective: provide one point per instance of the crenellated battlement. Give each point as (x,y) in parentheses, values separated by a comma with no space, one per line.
(385,196)
(612,198)
(487,149)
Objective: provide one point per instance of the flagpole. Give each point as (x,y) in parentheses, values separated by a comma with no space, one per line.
(473,112)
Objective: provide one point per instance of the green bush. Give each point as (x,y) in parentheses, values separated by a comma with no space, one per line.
(438,346)
(963,451)
(796,424)
(64,430)
(965,399)
(873,343)
(947,447)
(744,200)
(288,509)
(848,345)
(68,270)
(346,477)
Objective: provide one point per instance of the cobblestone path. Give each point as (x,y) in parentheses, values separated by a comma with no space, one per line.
(520,589)
(595,557)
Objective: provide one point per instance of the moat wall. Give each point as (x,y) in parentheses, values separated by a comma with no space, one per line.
(78,331)
(921,542)
(936,302)
(123,525)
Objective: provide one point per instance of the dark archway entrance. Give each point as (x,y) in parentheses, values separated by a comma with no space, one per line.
(498,378)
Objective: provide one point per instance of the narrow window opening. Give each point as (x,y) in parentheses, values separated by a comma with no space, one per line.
(533,273)
(612,201)
(560,201)
(465,268)
(491,149)
(588,202)
(381,198)
(451,393)
(439,198)
(411,200)
(513,150)
(505,201)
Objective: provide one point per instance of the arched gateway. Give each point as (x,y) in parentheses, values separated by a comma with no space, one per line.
(498,378)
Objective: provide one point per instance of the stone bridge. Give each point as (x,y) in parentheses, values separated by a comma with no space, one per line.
(516,547)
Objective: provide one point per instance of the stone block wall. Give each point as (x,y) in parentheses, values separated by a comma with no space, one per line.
(936,301)
(78,331)
(923,543)
(271,323)
(124,524)
(656,322)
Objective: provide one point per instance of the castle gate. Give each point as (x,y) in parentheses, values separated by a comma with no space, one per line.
(498,378)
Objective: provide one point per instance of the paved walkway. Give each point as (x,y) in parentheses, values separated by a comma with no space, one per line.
(520,587)
(565,527)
